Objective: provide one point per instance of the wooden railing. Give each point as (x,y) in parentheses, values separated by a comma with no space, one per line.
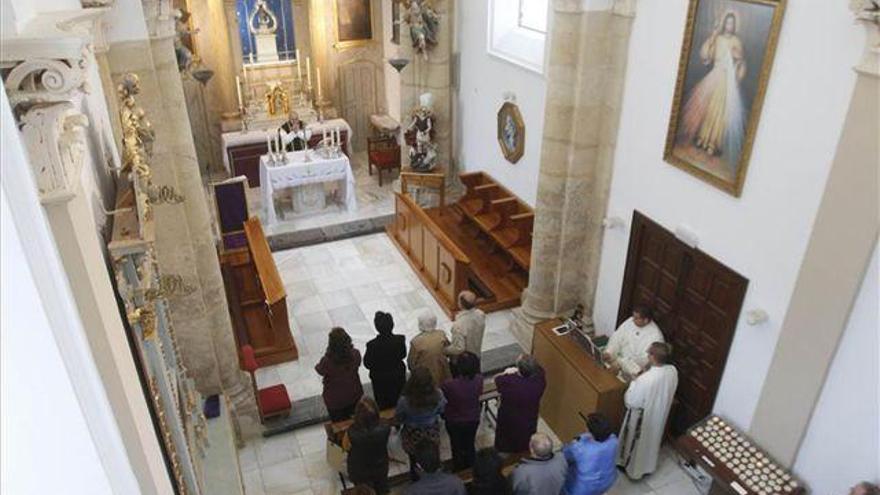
(439,262)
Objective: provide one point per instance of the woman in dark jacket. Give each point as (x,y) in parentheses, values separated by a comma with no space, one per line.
(520,389)
(368,455)
(488,478)
(418,414)
(384,358)
(463,408)
(339,367)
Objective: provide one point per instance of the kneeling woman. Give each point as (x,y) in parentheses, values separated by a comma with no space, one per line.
(368,447)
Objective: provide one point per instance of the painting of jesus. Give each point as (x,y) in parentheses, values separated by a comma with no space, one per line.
(723,73)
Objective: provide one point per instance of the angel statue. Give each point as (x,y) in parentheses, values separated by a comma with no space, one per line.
(183,39)
(420,134)
(423,23)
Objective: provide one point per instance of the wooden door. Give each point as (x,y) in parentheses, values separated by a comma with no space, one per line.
(358,88)
(697,302)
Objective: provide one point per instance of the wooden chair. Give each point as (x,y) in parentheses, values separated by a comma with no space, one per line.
(517,222)
(383,153)
(271,401)
(428,181)
(472,201)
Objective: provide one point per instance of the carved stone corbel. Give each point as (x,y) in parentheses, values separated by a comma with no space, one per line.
(867,13)
(55,137)
(46,80)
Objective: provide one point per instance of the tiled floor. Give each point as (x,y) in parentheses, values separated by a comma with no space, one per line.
(343,283)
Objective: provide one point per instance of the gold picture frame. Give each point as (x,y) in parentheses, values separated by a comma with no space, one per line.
(357,28)
(724,68)
(511,132)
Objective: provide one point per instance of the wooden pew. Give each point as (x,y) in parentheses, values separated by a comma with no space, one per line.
(472,202)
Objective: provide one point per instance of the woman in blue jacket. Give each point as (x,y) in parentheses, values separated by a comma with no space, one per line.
(591,459)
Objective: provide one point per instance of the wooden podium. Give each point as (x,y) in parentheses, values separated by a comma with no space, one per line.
(575,383)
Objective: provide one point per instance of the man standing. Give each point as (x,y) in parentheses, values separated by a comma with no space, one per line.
(426,349)
(468,327)
(542,472)
(648,401)
(627,349)
(292,133)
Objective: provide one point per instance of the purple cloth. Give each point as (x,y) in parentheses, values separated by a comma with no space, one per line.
(518,413)
(342,385)
(234,241)
(231,206)
(463,398)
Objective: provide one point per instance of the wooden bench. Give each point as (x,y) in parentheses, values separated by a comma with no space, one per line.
(500,215)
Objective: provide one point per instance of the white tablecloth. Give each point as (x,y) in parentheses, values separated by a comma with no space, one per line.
(298,172)
(254,136)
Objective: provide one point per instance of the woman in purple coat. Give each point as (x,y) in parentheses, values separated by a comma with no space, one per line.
(520,389)
(339,369)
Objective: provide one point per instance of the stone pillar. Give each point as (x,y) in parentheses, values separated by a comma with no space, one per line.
(432,75)
(184,233)
(844,236)
(587,65)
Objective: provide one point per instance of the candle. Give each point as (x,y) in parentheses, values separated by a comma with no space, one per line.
(268,144)
(318,73)
(309,71)
(238,91)
(299,73)
(338,138)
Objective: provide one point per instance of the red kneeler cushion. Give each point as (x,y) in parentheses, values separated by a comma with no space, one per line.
(274,399)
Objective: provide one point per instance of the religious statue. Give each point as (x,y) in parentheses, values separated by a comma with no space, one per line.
(265,19)
(424,23)
(183,39)
(277,100)
(420,135)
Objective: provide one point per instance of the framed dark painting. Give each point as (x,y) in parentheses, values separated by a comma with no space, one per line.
(354,23)
(511,132)
(725,64)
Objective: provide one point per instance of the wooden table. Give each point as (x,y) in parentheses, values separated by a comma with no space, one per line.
(576,383)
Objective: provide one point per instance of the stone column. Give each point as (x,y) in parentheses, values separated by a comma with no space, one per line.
(432,75)
(587,65)
(184,233)
(843,237)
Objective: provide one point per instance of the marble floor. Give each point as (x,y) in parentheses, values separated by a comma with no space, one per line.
(343,283)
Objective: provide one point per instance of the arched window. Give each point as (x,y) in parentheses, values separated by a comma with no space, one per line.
(285,43)
(518,31)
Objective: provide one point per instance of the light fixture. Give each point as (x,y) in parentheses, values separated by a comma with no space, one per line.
(398,63)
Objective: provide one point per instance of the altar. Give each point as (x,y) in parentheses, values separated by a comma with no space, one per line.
(242,149)
(306,172)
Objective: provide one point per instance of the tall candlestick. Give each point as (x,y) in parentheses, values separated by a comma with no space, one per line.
(318,72)
(309,71)
(268,144)
(299,73)
(238,91)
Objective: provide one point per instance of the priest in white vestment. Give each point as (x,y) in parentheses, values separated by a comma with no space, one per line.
(627,349)
(648,400)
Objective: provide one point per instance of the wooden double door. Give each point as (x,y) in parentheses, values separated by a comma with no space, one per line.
(696,302)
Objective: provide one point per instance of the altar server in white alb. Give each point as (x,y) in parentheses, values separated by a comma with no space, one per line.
(648,400)
(627,349)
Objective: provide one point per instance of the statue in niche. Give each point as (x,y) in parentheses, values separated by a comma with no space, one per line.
(265,20)
(277,99)
(183,39)
(424,22)
(420,136)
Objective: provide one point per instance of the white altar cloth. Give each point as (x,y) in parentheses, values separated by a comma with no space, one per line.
(298,172)
(254,136)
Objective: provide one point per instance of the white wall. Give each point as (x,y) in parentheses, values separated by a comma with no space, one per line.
(841,445)
(763,234)
(484,80)
(46,443)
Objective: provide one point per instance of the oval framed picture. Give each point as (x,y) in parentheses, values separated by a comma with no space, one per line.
(511,132)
